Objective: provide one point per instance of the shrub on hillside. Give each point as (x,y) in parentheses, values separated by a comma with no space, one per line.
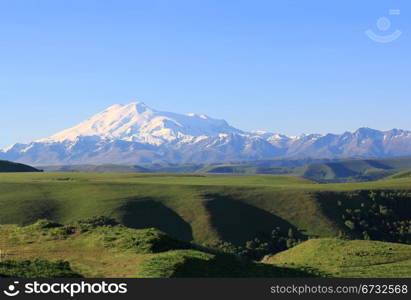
(148,240)
(45,223)
(37,269)
(94,222)
(258,247)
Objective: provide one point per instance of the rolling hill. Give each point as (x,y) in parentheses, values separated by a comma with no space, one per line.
(325,172)
(404,174)
(206,209)
(341,258)
(8,166)
(94,248)
(192,208)
(184,206)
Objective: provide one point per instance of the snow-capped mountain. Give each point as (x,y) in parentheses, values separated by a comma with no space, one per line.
(135,134)
(136,122)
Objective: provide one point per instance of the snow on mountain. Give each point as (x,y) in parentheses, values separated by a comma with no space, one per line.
(136,122)
(136,134)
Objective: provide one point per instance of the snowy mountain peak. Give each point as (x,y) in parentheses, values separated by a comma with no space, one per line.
(135,133)
(139,123)
(137,107)
(202,116)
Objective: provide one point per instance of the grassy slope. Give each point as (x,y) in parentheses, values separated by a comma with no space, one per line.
(339,258)
(85,254)
(116,251)
(188,207)
(403,174)
(8,166)
(193,263)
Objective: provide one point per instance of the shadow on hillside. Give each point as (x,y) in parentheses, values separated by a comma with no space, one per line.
(378,165)
(28,211)
(229,266)
(142,213)
(341,170)
(239,222)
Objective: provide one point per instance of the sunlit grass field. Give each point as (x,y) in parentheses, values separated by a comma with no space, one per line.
(339,258)
(189,207)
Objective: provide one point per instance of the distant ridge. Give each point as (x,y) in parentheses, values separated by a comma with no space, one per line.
(8,166)
(137,134)
(353,170)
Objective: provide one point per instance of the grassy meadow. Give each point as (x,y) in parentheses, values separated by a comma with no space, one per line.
(202,210)
(339,258)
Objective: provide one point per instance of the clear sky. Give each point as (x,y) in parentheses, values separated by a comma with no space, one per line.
(285,66)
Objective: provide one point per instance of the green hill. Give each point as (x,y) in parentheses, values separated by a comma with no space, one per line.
(246,170)
(210,209)
(354,170)
(403,174)
(8,166)
(233,213)
(339,258)
(99,248)
(320,170)
(188,207)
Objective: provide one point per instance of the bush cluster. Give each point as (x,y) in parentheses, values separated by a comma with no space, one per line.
(258,247)
(383,216)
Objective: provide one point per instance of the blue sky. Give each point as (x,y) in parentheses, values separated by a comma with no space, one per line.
(284,66)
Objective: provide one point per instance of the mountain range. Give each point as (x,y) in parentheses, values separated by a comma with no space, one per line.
(136,134)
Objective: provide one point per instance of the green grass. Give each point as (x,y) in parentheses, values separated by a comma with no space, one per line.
(87,253)
(187,207)
(149,240)
(115,251)
(403,174)
(341,258)
(37,268)
(101,251)
(94,250)
(180,205)
(192,263)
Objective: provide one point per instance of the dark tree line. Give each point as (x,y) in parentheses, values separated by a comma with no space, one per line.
(369,215)
(257,248)
(383,216)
